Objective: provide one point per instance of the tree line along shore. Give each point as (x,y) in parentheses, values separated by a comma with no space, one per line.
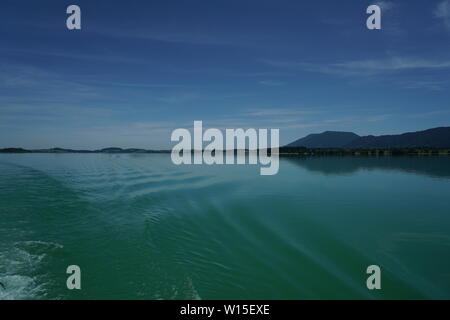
(283,151)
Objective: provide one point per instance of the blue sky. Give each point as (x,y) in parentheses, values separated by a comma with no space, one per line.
(139,69)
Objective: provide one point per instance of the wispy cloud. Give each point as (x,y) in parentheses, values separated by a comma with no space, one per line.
(378,118)
(430,114)
(442,12)
(385,5)
(434,85)
(144,85)
(277,112)
(363,67)
(190,36)
(393,64)
(101,57)
(271,83)
(337,123)
(42,83)
(179,98)
(391,21)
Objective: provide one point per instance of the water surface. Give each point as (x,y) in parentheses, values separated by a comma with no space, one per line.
(142,228)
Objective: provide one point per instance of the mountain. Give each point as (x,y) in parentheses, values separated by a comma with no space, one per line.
(111,150)
(14,150)
(60,150)
(431,138)
(327,139)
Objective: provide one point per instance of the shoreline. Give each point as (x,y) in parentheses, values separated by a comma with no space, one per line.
(283,151)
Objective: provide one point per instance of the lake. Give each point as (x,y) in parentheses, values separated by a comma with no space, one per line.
(140,227)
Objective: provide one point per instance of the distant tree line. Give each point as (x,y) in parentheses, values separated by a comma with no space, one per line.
(284,151)
(292,151)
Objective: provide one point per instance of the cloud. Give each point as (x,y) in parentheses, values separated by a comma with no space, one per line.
(378,118)
(430,114)
(335,123)
(442,11)
(422,72)
(103,57)
(176,98)
(363,67)
(52,113)
(190,36)
(393,64)
(271,83)
(385,5)
(39,83)
(425,84)
(391,21)
(277,112)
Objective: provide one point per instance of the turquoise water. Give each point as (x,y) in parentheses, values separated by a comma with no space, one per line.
(140,227)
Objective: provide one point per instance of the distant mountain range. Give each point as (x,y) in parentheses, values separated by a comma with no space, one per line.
(437,138)
(431,138)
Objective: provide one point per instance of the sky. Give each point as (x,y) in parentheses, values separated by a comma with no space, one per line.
(139,69)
